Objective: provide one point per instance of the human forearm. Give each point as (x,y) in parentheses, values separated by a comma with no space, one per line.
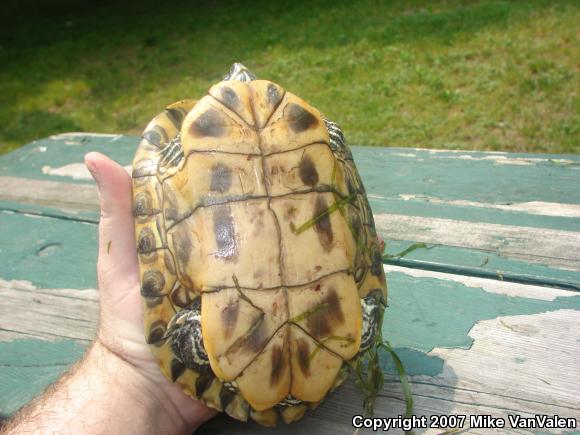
(102,394)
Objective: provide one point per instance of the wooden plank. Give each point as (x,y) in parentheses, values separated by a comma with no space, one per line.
(483,264)
(48,314)
(471,346)
(28,366)
(535,245)
(49,252)
(525,189)
(72,199)
(516,253)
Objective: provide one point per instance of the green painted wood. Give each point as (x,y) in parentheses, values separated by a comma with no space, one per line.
(49,252)
(29,161)
(424,313)
(410,182)
(387,172)
(56,249)
(91,217)
(27,367)
(482,264)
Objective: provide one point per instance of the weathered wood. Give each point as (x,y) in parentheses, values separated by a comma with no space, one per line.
(508,364)
(516,253)
(49,252)
(54,194)
(535,245)
(48,314)
(470,345)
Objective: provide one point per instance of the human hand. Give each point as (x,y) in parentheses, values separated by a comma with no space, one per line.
(120,332)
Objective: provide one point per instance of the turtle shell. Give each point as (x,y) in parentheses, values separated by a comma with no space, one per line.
(260,267)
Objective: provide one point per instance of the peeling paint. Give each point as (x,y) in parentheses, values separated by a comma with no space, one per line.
(490,286)
(425,313)
(531,207)
(530,352)
(504,160)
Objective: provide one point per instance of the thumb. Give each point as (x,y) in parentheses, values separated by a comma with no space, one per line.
(117,254)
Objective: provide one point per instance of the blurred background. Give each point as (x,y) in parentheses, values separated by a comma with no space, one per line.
(481,75)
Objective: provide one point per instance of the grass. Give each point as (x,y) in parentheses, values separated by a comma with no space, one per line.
(486,75)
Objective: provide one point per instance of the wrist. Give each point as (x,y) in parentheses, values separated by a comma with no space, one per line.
(164,407)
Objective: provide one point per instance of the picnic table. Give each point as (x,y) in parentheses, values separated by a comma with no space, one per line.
(483,267)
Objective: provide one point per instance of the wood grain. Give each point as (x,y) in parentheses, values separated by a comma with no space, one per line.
(536,245)
(510,368)
(72,198)
(48,314)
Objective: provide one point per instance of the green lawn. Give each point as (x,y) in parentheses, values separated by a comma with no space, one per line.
(487,75)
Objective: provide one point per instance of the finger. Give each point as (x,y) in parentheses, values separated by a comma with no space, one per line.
(117,256)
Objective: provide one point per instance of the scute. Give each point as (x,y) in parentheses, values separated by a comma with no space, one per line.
(237,325)
(300,170)
(316,251)
(314,368)
(294,124)
(328,311)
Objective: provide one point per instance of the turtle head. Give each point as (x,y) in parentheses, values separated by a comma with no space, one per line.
(240,73)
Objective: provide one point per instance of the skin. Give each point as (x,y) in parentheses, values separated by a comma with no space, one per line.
(117,386)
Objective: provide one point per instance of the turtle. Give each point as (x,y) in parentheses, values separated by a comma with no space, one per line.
(260,267)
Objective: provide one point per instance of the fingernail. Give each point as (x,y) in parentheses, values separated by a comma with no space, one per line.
(93,168)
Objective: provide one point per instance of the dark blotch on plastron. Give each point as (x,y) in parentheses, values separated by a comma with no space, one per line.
(257,337)
(203,382)
(224,232)
(145,241)
(323,321)
(156,332)
(323,226)
(226,396)
(334,309)
(229,97)
(230,316)
(307,171)
(221,178)
(177,369)
(319,324)
(299,119)
(143,204)
(273,95)
(156,136)
(303,356)
(152,284)
(182,245)
(278,365)
(377,266)
(176,115)
(209,123)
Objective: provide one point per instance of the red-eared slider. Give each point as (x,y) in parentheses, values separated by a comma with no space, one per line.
(260,266)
